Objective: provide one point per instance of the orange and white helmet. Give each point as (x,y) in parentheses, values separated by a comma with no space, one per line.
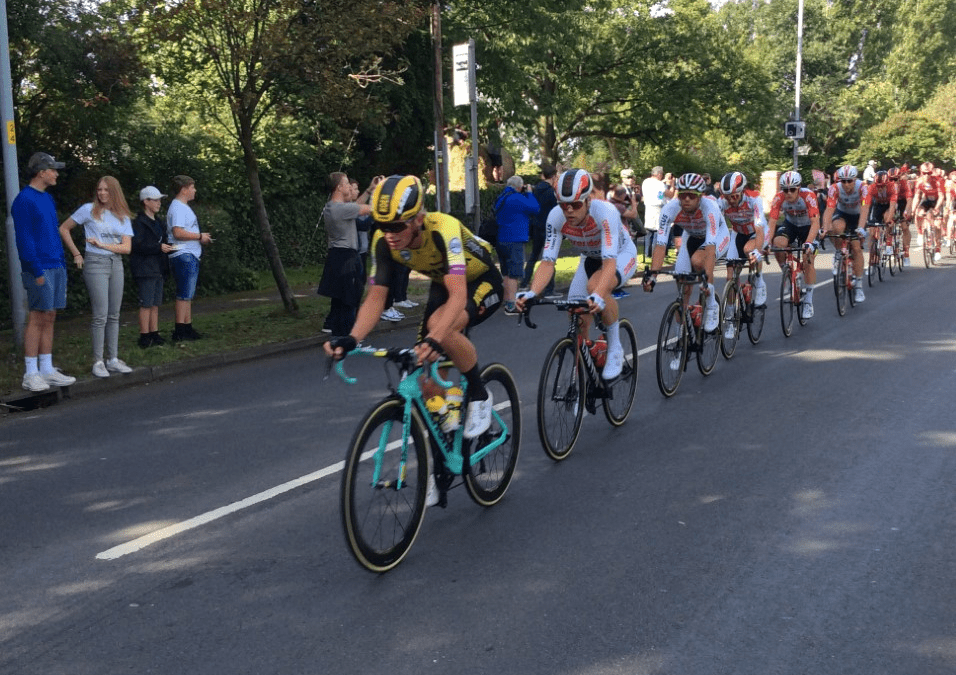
(846,172)
(926,168)
(790,179)
(733,183)
(574,185)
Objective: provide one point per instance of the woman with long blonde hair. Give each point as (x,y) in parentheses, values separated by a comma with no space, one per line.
(108,231)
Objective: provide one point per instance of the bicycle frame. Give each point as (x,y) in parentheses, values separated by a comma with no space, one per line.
(409,389)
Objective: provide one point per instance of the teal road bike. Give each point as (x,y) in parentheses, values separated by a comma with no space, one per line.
(398,443)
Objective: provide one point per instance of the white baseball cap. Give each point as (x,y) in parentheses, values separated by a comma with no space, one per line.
(150,192)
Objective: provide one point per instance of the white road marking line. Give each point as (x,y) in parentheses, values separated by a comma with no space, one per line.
(210,516)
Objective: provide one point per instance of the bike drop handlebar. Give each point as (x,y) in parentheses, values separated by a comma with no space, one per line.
(560,305)
(405,358)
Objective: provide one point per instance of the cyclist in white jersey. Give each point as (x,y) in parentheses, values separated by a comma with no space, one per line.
(705,239)
(745,219)
(847,207)
(801,224)
(608,256)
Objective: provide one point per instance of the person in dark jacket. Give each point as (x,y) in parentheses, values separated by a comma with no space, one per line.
(149,265)
(544,193)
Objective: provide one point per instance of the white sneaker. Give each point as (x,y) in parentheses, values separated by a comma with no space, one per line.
(479,417)
(711,317)
(937,257)
(760,293)
(906,262)
(858,295)
(35,382)
(431,496)
(406,304)
(614,364)
(807,310)
(99,369)
(116,365)
(57,378)
(392,314)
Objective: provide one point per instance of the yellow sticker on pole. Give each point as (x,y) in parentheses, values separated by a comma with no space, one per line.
(11,133)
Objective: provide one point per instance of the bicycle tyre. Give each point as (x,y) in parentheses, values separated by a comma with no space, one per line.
(671,348)
(891,259)
(786,301)
(561,392)
(487,481)
(709,348)
(799,305)
(872,269)
(620,394)
(380,519)
(928,247)
(840,287)
(731,298)
(755,328)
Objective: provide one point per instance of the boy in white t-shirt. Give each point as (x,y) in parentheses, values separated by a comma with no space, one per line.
(187,240)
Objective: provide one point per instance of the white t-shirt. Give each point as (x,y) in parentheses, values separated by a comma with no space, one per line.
(180,215)
(653,191)
(108,228)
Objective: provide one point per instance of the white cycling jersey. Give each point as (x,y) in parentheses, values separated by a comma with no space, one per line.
(601,235)
(746,216)
(706,223)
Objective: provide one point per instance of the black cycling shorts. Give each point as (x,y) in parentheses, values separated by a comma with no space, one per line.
(484,298)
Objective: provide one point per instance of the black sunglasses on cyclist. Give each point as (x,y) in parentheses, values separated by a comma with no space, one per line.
(571,206)
(847,180)
(394,227)
(791,189)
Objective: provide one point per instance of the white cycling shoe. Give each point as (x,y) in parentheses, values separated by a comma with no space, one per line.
(711,317)
(614,364)
(479,417)
(760,294)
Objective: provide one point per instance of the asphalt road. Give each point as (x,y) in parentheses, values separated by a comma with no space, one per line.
(792,513)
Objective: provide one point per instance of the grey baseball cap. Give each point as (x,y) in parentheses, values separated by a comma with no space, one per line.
(150,192)
(41,161)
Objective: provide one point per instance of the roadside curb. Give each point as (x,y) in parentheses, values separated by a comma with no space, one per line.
(25,400)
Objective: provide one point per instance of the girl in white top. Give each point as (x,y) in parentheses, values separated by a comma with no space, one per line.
(108,230)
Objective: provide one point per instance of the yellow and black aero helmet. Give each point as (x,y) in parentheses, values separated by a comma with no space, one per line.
(397,198)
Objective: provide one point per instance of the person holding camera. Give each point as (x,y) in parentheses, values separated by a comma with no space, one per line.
(514,208)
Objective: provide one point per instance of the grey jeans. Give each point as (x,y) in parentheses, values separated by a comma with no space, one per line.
(104,282)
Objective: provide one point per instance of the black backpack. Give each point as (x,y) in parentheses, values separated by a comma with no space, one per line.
(488,229)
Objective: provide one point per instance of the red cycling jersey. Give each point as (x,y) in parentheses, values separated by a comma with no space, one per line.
(798,212)
(881,194)
(926,188)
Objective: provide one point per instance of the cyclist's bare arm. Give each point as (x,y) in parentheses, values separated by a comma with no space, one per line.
(542,275)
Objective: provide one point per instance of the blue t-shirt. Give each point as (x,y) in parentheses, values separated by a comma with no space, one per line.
(38,231)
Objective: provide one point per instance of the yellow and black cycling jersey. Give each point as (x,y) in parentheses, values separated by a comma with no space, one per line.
(447,247)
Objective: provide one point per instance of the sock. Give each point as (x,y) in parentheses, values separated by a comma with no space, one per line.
(31,364)
(45,364)
(613,335)
(476,388)
(810,295)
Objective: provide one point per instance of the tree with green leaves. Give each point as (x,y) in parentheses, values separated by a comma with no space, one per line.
(274,57)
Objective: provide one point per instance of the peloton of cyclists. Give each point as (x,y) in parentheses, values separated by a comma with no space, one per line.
(705,239)
(744,216)
(800,226)
(847,209)
(608,256)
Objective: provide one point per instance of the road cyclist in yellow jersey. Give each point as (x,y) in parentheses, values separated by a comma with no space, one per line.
(466,287)
(608,258)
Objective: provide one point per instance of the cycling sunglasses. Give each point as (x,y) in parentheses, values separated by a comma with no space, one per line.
(571,206)
(394,227)
(688,195)
(791,189)
(847,180)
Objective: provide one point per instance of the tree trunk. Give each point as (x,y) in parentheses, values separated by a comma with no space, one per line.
(265,228)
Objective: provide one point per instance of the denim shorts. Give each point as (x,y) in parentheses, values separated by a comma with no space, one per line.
(511,257)
(186,271)
(150,291)
(51,295)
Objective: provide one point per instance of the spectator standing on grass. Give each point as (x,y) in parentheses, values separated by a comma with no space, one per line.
(43,272)
(149,264)
(514,208)
(544,193)
(656,190)
(343,277)
(108,229)
(187,241)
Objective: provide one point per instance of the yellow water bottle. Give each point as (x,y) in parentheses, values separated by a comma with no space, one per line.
(439,411)
(453,400)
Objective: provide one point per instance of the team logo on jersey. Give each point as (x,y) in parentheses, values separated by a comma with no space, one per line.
(406,254)
(455,246)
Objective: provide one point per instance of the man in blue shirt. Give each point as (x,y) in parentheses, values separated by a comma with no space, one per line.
(42,271)
(514,209)
(544,193)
